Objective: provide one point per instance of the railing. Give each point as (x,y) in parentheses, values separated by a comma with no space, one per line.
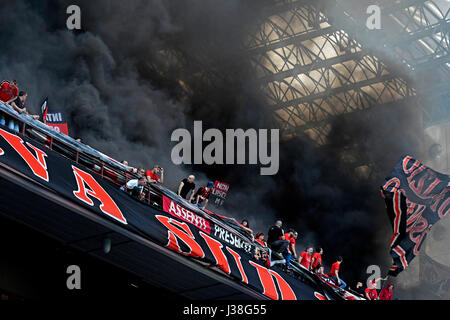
(71,149)
(68,147)
(117,173)
(89,158)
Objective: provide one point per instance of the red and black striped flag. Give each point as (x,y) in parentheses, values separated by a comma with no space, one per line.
(416,198)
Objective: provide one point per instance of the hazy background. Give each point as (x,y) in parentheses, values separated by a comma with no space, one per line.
(118,80)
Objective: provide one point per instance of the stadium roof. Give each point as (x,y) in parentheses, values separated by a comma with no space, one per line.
(315,60)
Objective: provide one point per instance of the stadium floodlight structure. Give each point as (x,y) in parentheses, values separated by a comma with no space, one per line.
(316,60)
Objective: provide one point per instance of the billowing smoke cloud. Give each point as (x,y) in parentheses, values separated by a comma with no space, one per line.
(140,69)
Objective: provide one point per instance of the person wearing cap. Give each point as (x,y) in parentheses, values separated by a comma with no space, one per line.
(371,291)
(267,252)
(260,239)
(202,195)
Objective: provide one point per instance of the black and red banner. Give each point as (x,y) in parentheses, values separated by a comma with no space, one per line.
(173,225)
(54,120)
(57,122)
(219,193)
(416,198)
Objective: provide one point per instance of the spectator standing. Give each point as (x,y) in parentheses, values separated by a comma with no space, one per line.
(152,174)
(8,91)
(316,261)
(276,242)
(371,291)
(334,273)
(19,105)
(275,239)
(187,185)
(306,257)
(291,236)
(387,293)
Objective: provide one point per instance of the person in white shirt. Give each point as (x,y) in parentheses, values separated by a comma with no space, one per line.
(135,186)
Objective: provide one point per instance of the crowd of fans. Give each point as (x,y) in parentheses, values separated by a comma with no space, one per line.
(284,244)
(278,241)
(15,99)
(186,188)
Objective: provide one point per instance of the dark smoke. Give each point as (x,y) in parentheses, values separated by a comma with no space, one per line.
(140,69)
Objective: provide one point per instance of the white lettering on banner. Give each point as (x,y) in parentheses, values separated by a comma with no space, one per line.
(422,182)
(232,239)
(179,211)
(54,117)
(219,193)
(222,186)
(187,215)
(220,190)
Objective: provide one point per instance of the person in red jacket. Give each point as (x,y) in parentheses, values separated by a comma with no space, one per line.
(387,293)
